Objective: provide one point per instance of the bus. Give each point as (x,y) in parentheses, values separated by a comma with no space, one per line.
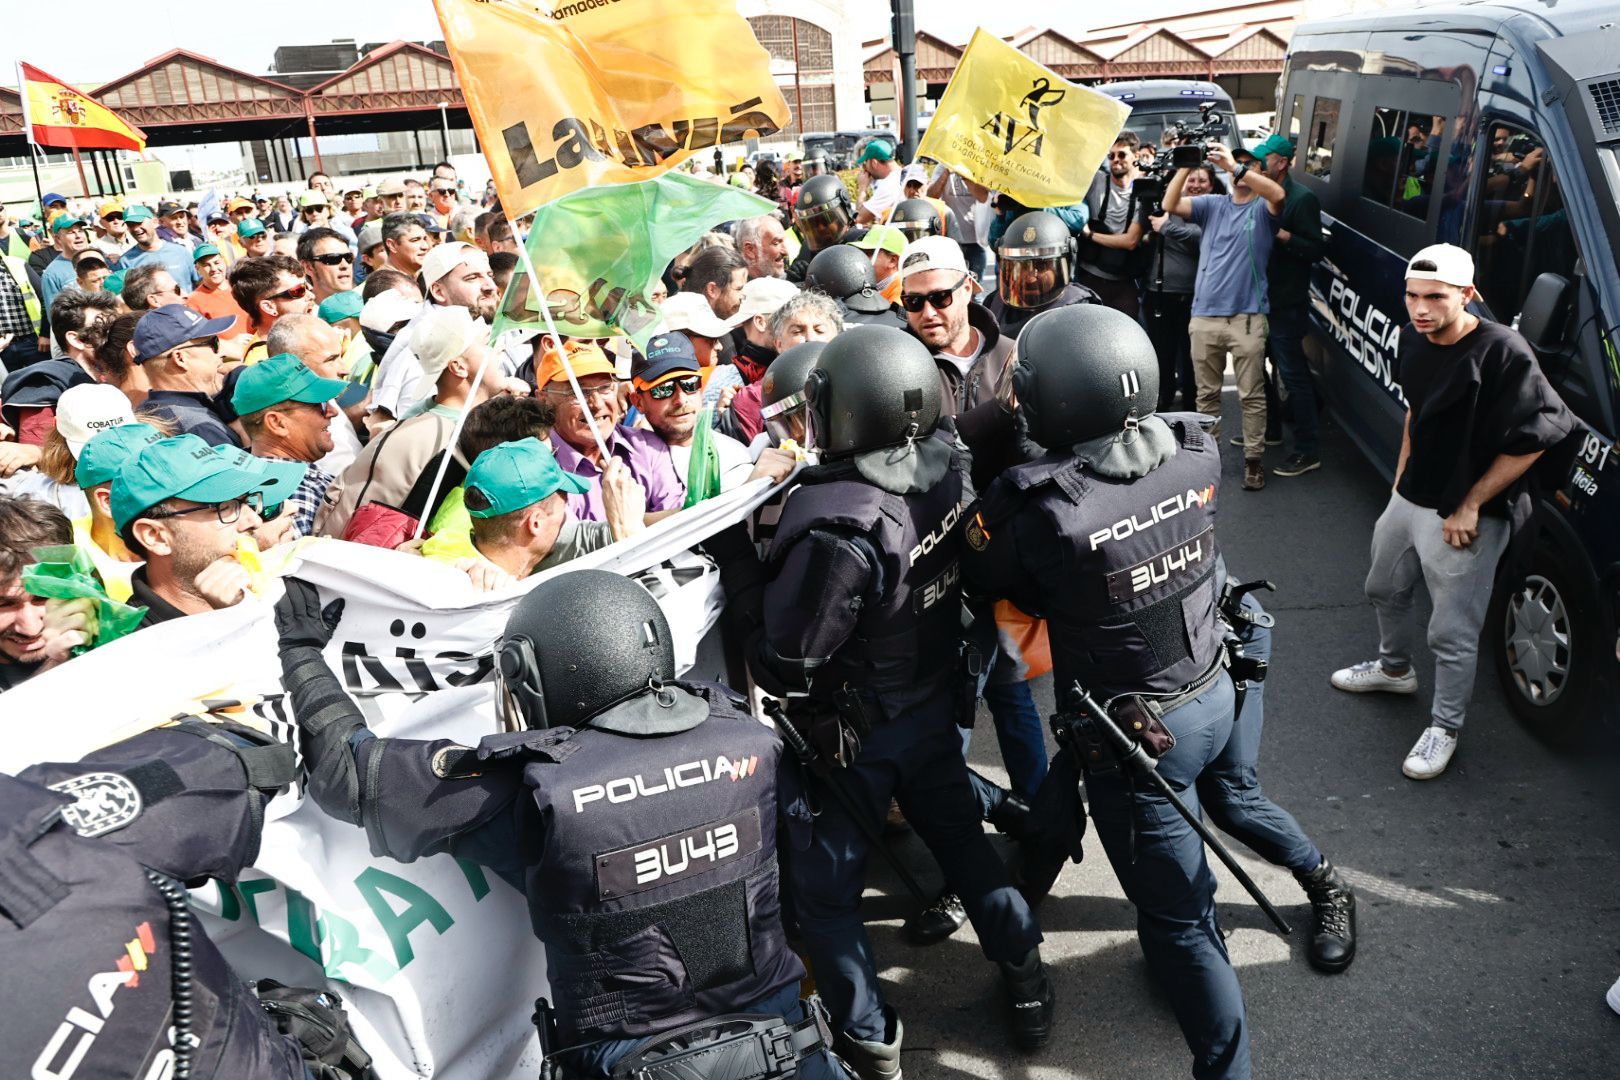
(1158,103)
(1496,128)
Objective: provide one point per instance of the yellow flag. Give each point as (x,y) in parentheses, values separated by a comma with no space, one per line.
(1016,127)
(605,91)
(55,114)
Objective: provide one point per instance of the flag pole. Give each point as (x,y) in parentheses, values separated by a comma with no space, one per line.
(33,147)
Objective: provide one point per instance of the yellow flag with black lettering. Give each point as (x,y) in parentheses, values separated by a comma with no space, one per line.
(1016,127)
(605,91)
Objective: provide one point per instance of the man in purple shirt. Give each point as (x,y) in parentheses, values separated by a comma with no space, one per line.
(643,452)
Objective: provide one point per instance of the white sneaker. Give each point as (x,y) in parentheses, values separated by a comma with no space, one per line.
(1613,996)
(1370,677)
(1429,758)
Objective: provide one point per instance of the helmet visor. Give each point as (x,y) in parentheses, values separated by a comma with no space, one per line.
(916,230)
(785,419)
(1029,281)
(823,226)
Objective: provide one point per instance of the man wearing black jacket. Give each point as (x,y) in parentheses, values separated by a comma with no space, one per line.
(1297,245)
(1479,414)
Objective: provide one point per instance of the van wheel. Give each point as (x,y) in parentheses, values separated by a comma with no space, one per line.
(1547,649)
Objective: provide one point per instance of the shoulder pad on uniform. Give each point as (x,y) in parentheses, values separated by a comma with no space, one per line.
(1189,429)
(854,504)
(551,745)
(1043,470)
(716,694)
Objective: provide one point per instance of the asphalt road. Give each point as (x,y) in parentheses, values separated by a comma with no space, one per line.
(1489,897)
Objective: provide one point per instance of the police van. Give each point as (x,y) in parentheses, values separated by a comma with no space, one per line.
(1159,103)
(1496,128)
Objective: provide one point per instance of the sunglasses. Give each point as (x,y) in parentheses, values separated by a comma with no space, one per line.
(939,298)
(1121,156)
(444,191)
(297,292)
(209,343)
(689,384)
(313,209)
(335,258)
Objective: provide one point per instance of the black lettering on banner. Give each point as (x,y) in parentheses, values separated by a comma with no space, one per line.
(1173,566)
(525,162)
(677,857)
(653,143)
(575,147)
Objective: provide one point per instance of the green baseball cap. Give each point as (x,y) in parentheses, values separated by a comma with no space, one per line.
(515,475)
(281,378)
(64,221)
(1274,144)
(109,449)
(138,212)
(202,251)
(882,238)
(113,282)
(185,467)
(340,306)
(247,227)
(876,150)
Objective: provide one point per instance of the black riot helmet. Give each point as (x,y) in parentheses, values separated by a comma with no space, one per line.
(781,397)
(872,387)
(1081,372)
(1034,260)
(823,211)
(917,218)
(844,272)
(578,644)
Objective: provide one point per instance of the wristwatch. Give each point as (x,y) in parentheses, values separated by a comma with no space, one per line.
(1241,170)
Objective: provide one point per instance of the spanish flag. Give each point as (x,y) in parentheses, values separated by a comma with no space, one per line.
(1019,128)
(565,95)
(55,114)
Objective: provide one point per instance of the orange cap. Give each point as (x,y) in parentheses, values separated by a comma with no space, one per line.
(584,357)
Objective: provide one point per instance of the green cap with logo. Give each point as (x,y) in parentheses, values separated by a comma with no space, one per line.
(185,467)
(515,475)
(340,306)
(281,378)
(109,449)
(202,251)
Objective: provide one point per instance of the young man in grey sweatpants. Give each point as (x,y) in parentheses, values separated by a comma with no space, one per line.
(1448,521)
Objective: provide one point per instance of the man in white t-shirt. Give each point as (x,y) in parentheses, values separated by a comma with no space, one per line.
(455,275)
(667,389)
(881,185)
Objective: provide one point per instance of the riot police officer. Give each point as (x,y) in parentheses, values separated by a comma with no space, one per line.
(844,273)
(917,218)
(1034,265)
(862,604)
(637,814)
(822,217)
(106,973)
(1110,536)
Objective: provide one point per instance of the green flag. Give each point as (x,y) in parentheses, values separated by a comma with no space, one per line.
(599,250)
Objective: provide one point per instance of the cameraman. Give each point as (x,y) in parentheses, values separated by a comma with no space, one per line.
(1229,295)
(1167,293)
(1109,262)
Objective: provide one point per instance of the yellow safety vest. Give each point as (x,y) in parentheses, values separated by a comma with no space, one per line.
(19,273)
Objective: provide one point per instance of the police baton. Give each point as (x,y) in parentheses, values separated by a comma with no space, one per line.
(1131,753)
(813,761)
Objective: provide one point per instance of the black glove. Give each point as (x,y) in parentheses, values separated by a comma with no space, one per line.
(300,619)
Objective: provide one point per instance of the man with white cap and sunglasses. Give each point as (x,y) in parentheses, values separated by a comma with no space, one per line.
(454,275)
(1479,414)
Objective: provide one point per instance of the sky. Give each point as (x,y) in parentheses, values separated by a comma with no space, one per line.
(124,41)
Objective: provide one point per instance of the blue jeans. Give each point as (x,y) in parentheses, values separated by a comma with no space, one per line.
(1160,863)
(1287,345)
(1230,788)
(1019,734)
(915,757)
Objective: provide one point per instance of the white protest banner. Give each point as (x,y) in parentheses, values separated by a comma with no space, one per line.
(435,959)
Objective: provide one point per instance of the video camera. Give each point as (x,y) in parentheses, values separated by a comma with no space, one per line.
(1190,151)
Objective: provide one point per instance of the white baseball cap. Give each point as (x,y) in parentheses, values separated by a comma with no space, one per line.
(1442,262)
(446,257)
(441,335)
(690,311)
(932,253)
(86,410)
(387,310)
(764,296)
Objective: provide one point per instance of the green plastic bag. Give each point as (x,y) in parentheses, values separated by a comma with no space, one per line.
(703,473)
(63,572)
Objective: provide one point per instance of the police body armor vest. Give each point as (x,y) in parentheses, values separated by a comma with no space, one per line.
(904,647)
(654,882)
(89,952)
(1135,610)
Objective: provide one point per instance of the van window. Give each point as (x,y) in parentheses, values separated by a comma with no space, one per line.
(1324,130)
(1403,149)
(1294,119)
(1522,228)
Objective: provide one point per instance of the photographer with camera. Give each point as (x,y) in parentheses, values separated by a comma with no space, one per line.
(1230,301)
(1109,256)
(1167,292)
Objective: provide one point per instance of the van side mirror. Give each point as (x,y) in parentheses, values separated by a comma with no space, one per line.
(1546,309)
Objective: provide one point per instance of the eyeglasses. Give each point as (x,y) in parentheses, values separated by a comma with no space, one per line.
(228,511)
(690,384)
(600,390)
(334,258)
(297,292)
(939,298)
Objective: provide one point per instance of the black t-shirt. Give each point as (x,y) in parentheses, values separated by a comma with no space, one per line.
(13,674)
(1439,381)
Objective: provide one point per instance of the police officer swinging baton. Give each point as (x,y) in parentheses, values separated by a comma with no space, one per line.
(1131,754)
(812,760)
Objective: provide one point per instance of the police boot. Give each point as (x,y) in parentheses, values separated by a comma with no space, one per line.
(1030,994)
(1333,918)
(937,921)
(1010,816)
(873,1060)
